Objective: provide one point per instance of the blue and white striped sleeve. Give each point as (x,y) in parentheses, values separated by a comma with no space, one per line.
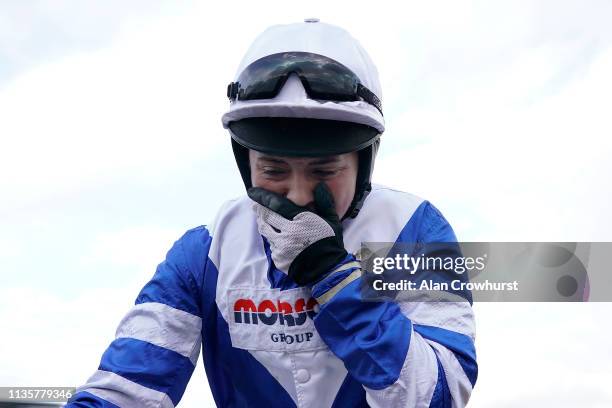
(157,344)
(405,354)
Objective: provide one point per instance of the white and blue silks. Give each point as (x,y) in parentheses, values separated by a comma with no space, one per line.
(268,342)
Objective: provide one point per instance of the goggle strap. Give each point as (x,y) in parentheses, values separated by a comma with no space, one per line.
(369,97)
(232,91)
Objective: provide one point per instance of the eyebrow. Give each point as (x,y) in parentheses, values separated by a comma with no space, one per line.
(326,160)
(318,161)
(271,159)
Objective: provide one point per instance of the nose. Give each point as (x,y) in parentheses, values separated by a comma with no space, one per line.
(299,191)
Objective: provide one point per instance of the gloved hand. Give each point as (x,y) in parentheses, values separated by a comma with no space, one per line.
(304,244)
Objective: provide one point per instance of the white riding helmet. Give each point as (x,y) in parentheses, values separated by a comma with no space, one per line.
(306,89)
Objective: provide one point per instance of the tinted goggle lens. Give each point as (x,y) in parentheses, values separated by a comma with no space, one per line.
(322,78)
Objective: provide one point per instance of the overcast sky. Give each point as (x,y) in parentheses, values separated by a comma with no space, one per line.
(111,146)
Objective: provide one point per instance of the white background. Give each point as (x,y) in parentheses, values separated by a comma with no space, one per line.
(111,146)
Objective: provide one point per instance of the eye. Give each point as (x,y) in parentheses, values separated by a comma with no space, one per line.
(325,173)
(273,172)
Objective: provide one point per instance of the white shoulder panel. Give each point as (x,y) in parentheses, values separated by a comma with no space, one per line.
(384,214)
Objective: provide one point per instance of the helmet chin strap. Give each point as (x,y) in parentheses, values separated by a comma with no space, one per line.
(241,154)
(364,175)
(356,205)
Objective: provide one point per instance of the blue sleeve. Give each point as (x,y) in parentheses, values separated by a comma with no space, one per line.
(158,342)
(379,344)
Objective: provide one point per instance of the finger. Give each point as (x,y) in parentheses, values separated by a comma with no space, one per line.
(276,221)
(269,217)
(324,202)
(275,202)
(266,229)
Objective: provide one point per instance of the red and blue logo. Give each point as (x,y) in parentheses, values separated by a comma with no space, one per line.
(268,312)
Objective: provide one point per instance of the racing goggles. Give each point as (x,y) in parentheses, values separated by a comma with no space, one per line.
(322,78)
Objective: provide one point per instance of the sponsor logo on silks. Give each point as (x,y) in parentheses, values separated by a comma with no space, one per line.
(291,338)
(268,312)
